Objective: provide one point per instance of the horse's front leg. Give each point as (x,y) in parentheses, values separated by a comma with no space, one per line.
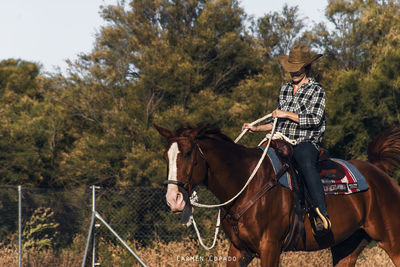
(238,257)
(270,251)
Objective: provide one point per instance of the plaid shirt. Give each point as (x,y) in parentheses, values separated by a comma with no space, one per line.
(309,103)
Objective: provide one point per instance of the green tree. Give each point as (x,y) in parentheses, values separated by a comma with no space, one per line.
(28,130)
(154,61)
(359,71)
(278,32)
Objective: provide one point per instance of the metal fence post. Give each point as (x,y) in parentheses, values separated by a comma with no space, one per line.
(94,229)
(91,234)
(88,240)
(19,226)
(120,239)
(91,229)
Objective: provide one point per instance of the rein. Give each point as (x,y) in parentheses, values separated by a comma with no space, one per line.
(196,204)
(193,196)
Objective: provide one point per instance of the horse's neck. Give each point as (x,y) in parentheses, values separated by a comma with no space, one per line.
(230,166)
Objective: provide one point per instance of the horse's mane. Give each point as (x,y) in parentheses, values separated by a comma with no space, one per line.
(203,131)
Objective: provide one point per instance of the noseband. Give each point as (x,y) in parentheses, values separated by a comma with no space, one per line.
(187,186)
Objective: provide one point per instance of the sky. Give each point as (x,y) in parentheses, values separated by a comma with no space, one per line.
(49,32)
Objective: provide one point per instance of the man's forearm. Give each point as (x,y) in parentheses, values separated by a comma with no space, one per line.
(263,128)
(292,116)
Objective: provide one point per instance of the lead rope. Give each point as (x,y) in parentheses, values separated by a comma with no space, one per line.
(215,233)
(194,198)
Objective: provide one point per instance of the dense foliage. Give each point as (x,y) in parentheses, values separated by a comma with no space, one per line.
(188,62)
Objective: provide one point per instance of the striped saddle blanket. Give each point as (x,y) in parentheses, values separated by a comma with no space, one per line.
(351,182)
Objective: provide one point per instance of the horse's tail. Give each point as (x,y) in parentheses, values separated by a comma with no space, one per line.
(384,150)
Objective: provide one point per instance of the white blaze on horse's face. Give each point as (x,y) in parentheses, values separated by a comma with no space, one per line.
(172,161)
(174,198)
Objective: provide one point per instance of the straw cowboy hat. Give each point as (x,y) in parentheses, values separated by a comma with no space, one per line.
(299,57)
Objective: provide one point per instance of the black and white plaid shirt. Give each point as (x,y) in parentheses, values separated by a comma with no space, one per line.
(309,103)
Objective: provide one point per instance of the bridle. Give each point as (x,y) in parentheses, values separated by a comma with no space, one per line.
(187,185)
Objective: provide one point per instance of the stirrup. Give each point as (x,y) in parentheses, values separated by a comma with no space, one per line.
(321,224)
(325,220)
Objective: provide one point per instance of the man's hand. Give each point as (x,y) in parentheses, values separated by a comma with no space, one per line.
(251,128)
(277,113)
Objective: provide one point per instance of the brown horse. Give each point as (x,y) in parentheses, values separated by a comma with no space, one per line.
(203,155)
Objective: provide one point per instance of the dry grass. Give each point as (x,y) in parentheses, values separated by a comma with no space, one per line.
(370,257)
(185,253)
(32,258)
(68,257)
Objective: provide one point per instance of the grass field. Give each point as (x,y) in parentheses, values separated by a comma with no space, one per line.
(181,254)
(185,253)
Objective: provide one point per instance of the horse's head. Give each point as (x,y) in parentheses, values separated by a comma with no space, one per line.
(186,165)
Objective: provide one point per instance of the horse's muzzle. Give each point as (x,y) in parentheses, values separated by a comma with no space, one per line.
(175,199)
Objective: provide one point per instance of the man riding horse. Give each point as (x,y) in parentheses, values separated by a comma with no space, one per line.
(258,220)
(301,117)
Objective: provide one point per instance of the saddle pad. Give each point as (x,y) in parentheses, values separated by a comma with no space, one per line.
(352,182)
(285,179)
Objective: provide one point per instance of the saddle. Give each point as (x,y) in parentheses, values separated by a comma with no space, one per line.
(302,204)
(327,168)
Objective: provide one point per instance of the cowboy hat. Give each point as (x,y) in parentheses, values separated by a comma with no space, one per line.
(299,57)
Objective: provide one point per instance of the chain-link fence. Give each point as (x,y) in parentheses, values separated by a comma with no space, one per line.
(55,225)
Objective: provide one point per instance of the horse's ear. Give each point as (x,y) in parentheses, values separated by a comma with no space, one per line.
(163,132)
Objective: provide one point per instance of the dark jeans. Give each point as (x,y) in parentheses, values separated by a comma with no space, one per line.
(306,156)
